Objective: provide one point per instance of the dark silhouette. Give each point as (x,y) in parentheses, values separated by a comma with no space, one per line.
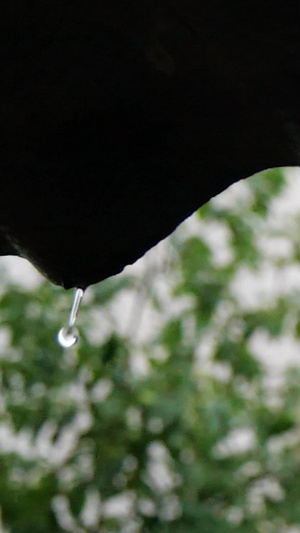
(120,118)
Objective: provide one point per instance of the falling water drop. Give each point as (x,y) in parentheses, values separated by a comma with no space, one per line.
(68,336)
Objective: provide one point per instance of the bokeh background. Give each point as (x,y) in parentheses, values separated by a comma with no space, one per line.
(179,410)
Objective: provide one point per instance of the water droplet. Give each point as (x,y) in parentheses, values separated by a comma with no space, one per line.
(68,336)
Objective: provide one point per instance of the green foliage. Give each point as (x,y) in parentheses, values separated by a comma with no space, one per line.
(177,430)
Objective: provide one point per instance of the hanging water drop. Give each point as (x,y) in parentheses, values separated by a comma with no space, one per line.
(68,336)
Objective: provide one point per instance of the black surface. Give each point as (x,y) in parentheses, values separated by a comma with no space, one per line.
(120,118)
